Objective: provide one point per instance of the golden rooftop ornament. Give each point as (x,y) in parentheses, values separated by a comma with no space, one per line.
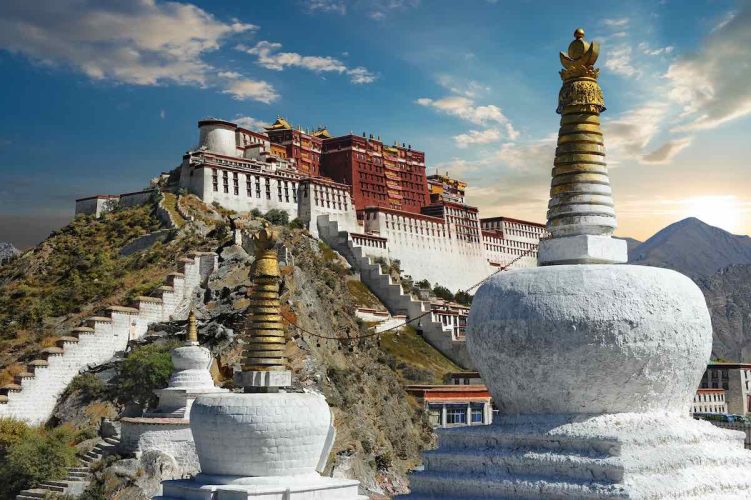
(267,342)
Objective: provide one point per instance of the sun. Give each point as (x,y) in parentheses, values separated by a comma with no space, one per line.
(720,211)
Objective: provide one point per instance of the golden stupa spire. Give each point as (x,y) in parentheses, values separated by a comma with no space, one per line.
(265,340)
(192,338)
(580,197)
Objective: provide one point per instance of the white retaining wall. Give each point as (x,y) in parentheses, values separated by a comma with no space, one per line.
(392,295)
(427,248)
(173,438)
(100,339)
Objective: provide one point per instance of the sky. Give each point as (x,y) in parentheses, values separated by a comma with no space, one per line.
(99,97)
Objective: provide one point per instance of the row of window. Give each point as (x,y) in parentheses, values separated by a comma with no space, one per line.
(456,414)
(284,188)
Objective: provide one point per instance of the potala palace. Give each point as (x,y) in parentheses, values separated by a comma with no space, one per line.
(363,193)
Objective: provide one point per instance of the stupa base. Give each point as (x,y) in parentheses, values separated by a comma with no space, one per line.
(626,455)
(305,487)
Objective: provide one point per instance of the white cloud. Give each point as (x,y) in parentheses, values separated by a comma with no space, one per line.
(711,85)
(618,60)
(467,88)
(477,137)
(140,42)
(249,122)
(465,108)
(665,153)
(628,134)
(646,49)
(162,114)
(374,9)
(244,89)
(337,6)
(621,22)
(530,155)
(270,57)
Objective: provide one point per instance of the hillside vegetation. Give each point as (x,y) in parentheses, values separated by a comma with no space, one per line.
(78,271)
(381,430)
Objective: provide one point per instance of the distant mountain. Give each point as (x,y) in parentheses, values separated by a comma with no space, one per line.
(693,248)
(720,263)
(7,251)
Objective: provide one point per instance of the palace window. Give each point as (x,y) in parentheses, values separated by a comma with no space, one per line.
(215,179)
(258,187)
(225,179)
(235,184)
(279,190)
(286,191)
(456,414)
(268,189)
(248,186)
(478,413)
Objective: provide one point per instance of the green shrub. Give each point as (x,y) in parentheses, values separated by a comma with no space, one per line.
(40,455)
(423,284)
(463,298)
(277,217)
(443,293)
(296,224)
(146,368)
(90,387)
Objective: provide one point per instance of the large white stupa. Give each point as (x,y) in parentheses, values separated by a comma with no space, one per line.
(263,443)
(593,365)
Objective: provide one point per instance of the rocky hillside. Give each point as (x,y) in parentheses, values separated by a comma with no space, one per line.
(693,248)
(7,251)
(728,294)
(720,263)
(95,262)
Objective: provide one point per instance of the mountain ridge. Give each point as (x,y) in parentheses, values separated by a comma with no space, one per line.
(693,248)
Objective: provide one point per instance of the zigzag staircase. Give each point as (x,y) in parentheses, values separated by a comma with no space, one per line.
(33,396)
(392,294)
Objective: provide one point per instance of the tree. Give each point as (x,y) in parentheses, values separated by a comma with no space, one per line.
(443,293)
(277,217)
(146,368)
(463,298)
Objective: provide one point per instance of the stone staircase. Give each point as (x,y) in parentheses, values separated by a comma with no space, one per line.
(33,395)
(392,294)
(78,477)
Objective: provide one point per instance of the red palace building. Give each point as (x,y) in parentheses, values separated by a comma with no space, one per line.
(381,176)
(302,147)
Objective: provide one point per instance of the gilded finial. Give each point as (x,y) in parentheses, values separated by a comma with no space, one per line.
(580,58)
(579,33)
(266,340)
(192,329)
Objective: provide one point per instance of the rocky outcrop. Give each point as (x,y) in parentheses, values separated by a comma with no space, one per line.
(7,251)
(728,295)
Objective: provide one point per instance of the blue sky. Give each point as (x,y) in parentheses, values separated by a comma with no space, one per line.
(99,97)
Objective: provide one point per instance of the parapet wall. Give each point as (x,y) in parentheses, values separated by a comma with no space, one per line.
(33,395)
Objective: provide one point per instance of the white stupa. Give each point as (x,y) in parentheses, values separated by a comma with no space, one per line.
(167,429)
(264,442)
(592,365)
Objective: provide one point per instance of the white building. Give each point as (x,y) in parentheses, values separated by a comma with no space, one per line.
(709,401)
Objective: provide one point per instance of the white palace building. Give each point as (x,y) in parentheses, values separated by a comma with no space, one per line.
(376,199)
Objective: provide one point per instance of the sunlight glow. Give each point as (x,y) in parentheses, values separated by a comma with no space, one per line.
(720,211)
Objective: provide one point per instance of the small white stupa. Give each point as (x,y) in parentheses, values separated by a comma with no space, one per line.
(592,365)
(167,429)
(263,443)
